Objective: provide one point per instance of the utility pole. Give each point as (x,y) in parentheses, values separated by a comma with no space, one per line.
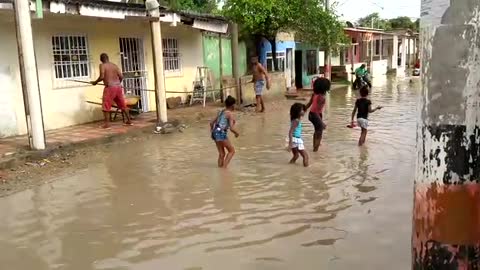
(28,74)
(328,53)
(236,61)
(152,7)
(446,212)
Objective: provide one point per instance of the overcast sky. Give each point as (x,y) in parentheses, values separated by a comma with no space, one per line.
(353,9)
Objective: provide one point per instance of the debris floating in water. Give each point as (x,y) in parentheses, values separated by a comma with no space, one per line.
(168,128)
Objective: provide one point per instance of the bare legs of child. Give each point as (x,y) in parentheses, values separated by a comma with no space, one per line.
(224,157)
(296,154)
(363,137)
(317,140)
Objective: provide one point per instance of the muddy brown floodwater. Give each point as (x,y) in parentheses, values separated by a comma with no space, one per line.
(162,203)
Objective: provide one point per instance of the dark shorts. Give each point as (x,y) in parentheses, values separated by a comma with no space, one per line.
(317,121)
(113,94)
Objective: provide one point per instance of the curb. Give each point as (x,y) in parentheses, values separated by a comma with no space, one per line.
(24,156)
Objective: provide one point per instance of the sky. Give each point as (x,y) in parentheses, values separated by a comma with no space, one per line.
(352,10)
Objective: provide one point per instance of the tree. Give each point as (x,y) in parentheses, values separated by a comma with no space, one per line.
(320,27)
(375,21)
(265,18)
(417,25)
(402,23)
(262,19)
(202,6)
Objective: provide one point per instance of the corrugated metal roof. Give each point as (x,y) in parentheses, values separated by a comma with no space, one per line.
(105,4)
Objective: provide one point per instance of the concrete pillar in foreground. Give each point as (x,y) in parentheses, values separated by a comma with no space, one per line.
(395,53)
(446,216)
(404,53)
(155,27)
(29,75)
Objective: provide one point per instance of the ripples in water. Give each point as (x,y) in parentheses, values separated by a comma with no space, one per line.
(162,204)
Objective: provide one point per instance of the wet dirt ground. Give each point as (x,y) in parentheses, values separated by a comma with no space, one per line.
(161,203)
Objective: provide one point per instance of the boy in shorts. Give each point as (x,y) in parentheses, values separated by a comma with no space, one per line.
(363,106)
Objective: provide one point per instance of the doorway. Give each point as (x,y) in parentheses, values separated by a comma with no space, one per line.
(133,69)
(298,69)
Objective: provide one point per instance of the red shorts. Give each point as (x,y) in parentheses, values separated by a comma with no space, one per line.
(113,94)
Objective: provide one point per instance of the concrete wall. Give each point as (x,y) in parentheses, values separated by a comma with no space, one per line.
(65,103)
(12,114)
(380,67)
(191,50)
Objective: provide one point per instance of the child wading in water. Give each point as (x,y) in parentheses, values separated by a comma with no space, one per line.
(364,106)
(295,142)
(317,103)
(219,129)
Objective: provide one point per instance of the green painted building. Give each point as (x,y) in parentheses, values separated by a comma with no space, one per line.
(211,56)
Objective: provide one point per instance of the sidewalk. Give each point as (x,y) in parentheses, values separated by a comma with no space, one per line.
(15,150)
(13,147)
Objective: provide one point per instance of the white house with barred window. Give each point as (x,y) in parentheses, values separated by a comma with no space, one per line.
(68,41)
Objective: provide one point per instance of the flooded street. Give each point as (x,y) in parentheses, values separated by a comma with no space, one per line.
(163,204)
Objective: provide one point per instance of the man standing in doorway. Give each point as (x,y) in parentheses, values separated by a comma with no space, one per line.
(260,78)
(112,77)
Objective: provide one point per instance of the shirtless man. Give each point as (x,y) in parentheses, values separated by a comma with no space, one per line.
(112,77)
(260,77)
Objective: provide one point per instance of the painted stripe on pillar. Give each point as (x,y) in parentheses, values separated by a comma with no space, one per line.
(446,214)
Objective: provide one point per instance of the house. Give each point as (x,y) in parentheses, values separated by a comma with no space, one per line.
(382,51)
(285,48)
(68,41)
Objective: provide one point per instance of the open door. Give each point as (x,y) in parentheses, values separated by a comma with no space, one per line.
(298,69)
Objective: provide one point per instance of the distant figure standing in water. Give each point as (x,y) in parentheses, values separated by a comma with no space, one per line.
(363,106)
(219,127)
(317,104)
(260,80)
(295,141)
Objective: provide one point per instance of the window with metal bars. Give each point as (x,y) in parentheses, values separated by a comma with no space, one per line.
(280,61)
(70,57)
(171,55)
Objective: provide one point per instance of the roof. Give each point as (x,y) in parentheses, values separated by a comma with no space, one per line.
(404,32)
(367,30)
(106,4)
(196,15)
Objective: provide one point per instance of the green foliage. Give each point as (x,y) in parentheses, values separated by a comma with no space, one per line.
(375,21)
(307,18)
(320,27)
(261,17)
(202,6)
(401,22)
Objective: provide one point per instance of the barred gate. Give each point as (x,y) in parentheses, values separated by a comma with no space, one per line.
(133,68)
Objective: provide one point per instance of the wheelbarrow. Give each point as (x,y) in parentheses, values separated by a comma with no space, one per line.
(130,100)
